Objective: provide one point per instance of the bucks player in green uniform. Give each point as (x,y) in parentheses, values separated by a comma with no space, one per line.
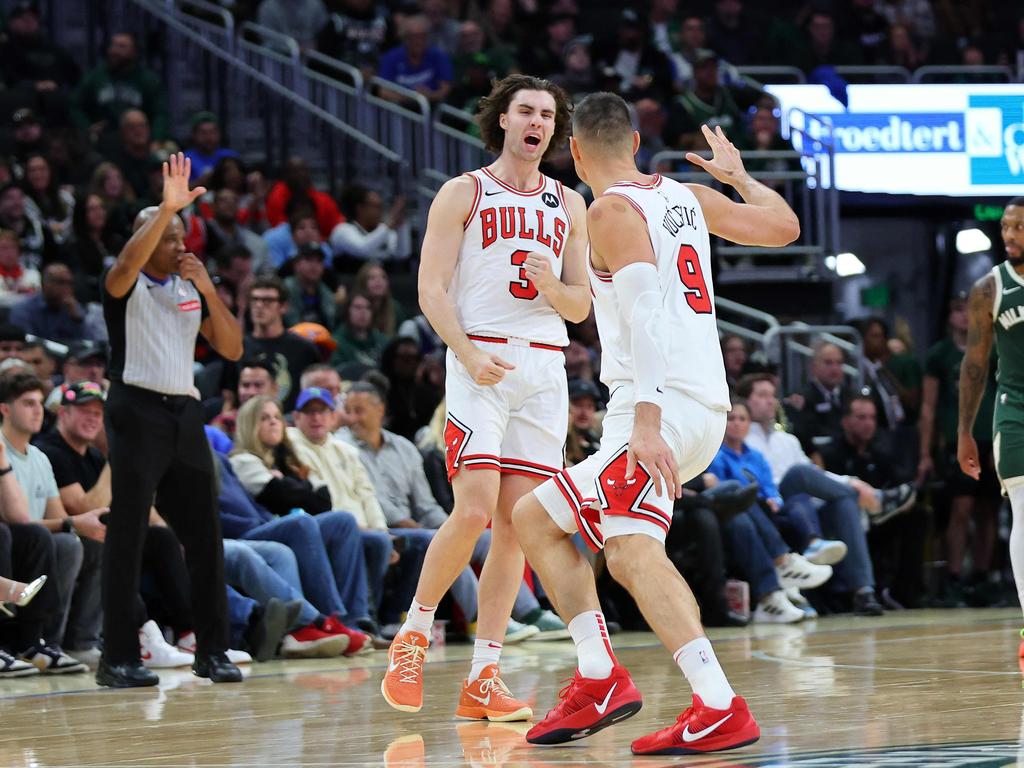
(996,311)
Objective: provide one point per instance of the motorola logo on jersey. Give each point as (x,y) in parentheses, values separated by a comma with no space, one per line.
(511,221)
(550,200)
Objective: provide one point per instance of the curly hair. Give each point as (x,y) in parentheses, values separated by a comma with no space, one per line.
(494,105)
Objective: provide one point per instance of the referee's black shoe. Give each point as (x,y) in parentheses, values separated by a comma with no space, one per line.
(217,668)
(129,675)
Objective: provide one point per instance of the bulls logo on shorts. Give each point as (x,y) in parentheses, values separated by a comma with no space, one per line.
(456,436)
(619,496)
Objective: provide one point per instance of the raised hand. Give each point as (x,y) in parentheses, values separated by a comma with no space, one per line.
(725,164)
(177,195)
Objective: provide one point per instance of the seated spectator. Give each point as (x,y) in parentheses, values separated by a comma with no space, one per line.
(735,356)
(234,265)
(415,385)
(897,547)
(42,360)
(37,244)
(16,280)
(545,58)
(284,240)
(775,574)
(413,515)
(258,374)
(821,46)
(309,300)
(77,538)
(420,329)
(690,39)
(12,341)
(584,436)
(206,150)
(895,380)
(117,84)
(734,33)
(843,498)
(324,376)
(869,29)
(108,184)
(918,17)
(29,60)
(318,336)
(224,232)
(296,180)
(472,51)
(356,34)
(367,235)
(642,70)
(707,102)
(270,471)
(30,137)
(45,200)
(651,119)
(823,398)
(766,136)
(416,65)
(85,361)
(268,303)
(899,49)
(372,281)
(300,19)
(53,313)
(26,553)
(971,503)
(251,187)
(576,74)
(132,152)
(336,464)
(358,341)
(96,244)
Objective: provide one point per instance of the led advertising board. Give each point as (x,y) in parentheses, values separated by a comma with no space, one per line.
(929,139)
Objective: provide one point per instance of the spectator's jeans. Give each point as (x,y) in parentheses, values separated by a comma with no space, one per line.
(240,610)
(464,591)
(749,553)
(264,570)
(79,563)
(26,553)
(377,552)
(840,519)
(798,522)
(329,551)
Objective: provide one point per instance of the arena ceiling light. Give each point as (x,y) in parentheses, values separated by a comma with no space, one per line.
(845,264)
(972,241)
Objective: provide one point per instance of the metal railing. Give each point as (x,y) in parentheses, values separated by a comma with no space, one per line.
(791,347)
(777,75)
(989,73)
(874,74)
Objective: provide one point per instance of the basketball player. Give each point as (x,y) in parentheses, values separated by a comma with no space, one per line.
(650,270)
(996,310)
(502,268)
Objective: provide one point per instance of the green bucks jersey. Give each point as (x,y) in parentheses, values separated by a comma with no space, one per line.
(1008,321)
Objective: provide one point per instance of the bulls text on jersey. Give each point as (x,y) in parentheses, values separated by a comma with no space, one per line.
(506,222)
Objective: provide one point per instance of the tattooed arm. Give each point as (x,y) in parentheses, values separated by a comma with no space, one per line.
(974,371)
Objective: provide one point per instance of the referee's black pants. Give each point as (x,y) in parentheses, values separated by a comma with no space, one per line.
(159,452)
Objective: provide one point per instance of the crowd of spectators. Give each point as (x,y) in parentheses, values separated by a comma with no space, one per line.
(329,432)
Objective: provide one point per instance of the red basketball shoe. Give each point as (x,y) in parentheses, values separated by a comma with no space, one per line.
(588,706)
(702,729)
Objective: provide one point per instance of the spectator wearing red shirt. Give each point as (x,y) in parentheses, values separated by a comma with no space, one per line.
(295,179)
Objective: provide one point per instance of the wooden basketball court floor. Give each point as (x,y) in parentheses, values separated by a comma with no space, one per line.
(917,688)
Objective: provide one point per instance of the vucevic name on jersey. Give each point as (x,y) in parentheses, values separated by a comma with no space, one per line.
(490,289)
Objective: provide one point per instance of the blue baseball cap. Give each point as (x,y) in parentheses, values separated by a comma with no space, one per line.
(309,394)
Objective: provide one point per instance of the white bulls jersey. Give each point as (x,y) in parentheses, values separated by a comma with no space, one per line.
(682,250)
(489,288)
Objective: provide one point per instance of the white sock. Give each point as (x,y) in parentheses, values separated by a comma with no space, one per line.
(1017,538)
(704,674)
(419,619)
(593,648)
(484,652)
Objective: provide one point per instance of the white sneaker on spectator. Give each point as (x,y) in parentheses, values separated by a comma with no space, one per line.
(797,571)
(825,551)
(516,632)
(88,656)
(51,660)
(801,602)
(12,667)
(239,657)
(775,608)
(157,653)
(187,643)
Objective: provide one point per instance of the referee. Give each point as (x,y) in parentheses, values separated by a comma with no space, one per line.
(156,298)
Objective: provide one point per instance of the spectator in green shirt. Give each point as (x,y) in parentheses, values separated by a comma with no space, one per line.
(706,103)
(358,341)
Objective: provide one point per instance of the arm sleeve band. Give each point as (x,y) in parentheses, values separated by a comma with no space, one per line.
(639,293)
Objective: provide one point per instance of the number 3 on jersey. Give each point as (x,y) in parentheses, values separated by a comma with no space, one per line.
(522,288)
(690,274)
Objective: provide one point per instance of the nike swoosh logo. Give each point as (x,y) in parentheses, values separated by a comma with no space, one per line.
(1011,290)
(493,645)
(494,192)
(392,666)
(690,737)
(604,704)
(147,656)
(485,702)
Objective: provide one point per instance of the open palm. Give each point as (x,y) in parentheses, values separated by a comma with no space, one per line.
(177,195)
(725,164)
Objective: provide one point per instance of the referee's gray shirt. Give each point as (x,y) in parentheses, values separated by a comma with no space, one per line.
(153,331)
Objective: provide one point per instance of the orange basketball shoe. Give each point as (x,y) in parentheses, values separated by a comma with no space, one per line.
(488,698)
(406,752)
(402,685)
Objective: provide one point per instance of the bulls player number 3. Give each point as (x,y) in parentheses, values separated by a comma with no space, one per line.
(523,288)
(690,273)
